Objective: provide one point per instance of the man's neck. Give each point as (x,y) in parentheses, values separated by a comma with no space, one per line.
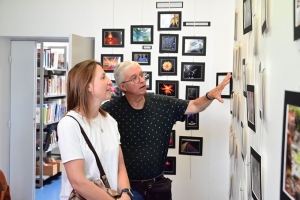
(137,102)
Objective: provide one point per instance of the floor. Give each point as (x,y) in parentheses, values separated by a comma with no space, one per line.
(51,189)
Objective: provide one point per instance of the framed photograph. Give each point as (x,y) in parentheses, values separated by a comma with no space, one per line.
(168,88)
(255,161)
(168,43)
(251,107)
(296,19)
(172,140)
(169,21)
(141,34)
(110,61)
(194,46)
(192,122)
(167,66)
(112,37)
(170,165)
(189,145)
(242,141)
(192,71)
(231,143)
(143,58)
(244,77)
(148,78)
(247,16)
(264,25)
(290,147)
(226,92)
(115,90)
(235,25)
(192,92)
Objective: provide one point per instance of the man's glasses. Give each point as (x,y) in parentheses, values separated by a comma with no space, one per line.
(136,78)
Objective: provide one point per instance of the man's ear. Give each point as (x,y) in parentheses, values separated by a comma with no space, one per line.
(122,87)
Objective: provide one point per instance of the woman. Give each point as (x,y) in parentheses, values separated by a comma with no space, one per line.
(88,86)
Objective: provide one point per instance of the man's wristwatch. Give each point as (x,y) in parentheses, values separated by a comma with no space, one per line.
(128,191)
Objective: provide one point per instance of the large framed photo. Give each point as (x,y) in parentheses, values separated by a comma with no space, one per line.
(170,165)
(296,19)
(143,58)
(247,16)
(251,107)
(110,61)
(112,37)
(168,43)
(189,145)
(255,161)
(194,46)
(226,92)
(169,20)
(148,78)
(167,66)
(141,34)
(192,71)
(172,140)
(167,88)
(290,147)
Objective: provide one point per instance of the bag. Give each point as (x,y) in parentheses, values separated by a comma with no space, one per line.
(160,190)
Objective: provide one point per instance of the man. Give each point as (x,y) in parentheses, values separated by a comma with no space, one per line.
(145,122)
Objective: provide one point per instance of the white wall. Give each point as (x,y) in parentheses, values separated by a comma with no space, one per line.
(196,177)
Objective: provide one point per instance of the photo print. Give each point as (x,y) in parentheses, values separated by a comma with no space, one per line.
(247,16)
(192,71)
(170,165)
(113,37)
(244,77)
(168,43)
(296,19)
(192,92)
(194,46)
(255,162)
(141,34)
(167,66)
(169,20)
(148,78)
(228,88)
(172,140)
(143,58)
(110,61)
(264,25)
(251,107)
(115,90)
(189,145)
(167,88)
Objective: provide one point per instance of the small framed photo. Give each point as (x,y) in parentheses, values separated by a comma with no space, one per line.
(226,92)
(251,107)
(243,152)
(110,61)
(244,77)
(192,71)
(141,34)
(143,58)
(170,165)
(296,19)
(115,90)
(169,21)
(255,161)
(168,43)
(192,122)
(189,145)
(168,88)
(112,37)
(148,78)
(192,92)
(247,16)
(172,140)
(167,66)
(194,46)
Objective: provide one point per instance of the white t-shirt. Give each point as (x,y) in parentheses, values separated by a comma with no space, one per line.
(73,146)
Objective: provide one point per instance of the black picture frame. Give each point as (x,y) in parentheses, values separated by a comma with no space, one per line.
(251,107)
(192,122)
(193,46)
(247,16)
(226,92)
(244,77)
(290,146)
(255,161)
(192,92)
(167,66)
(192,71)
(113,37)
(142,57)
(167,88)
(110,61)
(172,140)
(148,78)
(189,145)
(296,20)
(115,90)
(141,34)
(243,153)
(169,20)
(170,165)
(168,43)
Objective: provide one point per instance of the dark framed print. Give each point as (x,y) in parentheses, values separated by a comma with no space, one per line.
(110,61)
(115,90)
(143,58)
(113,37)
(192,92)
(169,20)
(244,77)
(251,107)
(168,43)
(141,34)
(170,165)
(189,145)
(167,66)
(192,122)
(148,78)
(172,140)
(167,88)
(290,146)
(226,92)
(192,71)
(194,46)
(255,161)
(247,16)
(296,19)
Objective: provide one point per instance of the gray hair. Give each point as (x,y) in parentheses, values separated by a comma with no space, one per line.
(121,68)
